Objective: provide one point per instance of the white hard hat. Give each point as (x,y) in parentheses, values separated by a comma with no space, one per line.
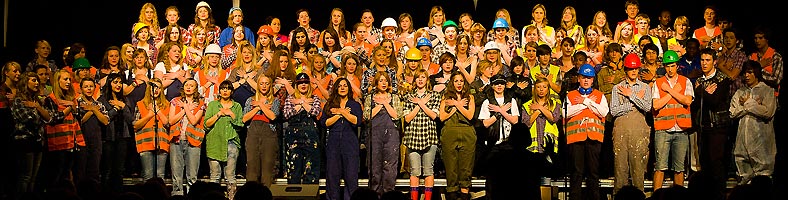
(491,45)
(389,22)
(202,4)
(213,48)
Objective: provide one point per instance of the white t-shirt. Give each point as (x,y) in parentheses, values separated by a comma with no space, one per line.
(506,127)
(160,68)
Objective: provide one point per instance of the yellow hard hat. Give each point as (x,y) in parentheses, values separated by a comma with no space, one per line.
(139,26)
(413,54)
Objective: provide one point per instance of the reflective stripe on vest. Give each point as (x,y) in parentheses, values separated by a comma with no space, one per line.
(66,135)
(673,112)
(194,134)
(549,128)
(145,136)
(585,125)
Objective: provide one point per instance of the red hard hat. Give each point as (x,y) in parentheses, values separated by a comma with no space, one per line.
(632,61)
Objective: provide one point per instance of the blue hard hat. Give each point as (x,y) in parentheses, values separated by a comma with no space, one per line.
(423,42)
(500,23)
(587,70)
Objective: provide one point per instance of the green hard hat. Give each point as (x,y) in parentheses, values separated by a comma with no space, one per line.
(449,23)
(80,63)
(670,56)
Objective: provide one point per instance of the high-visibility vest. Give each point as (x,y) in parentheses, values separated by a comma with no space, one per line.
(194,134)
(700,32)
(144,138)
(674,112)
(585,125)
(769,68)
(204,79)
(66,135)
(548,127)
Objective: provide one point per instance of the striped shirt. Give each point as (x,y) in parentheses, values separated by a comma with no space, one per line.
(621,105)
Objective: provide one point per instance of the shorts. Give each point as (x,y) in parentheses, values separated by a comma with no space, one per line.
(672,148)
(422,161)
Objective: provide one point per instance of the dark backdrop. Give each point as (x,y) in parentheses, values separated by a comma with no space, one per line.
(99,24)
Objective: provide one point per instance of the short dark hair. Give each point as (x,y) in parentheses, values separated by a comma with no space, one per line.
(543,49)
(709,51)
(754,67)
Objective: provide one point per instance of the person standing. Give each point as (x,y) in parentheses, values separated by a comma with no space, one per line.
(421,133)
(30,112)
(302,155)
(116,135)
(222,143)
(152,139)
(710,112)
(672,94)
(382,110)
(342,147)
(769,58)
(458,136)
(92,115)
(585,127)
(630,102)
(262,140)
(64,135)
(187,132)
(754,106)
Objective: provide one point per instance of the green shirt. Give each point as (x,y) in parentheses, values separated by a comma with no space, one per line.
(222,131)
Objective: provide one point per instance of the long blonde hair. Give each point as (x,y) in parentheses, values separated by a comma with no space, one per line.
(154,25)
(161,100)
(59,93)
(548,99)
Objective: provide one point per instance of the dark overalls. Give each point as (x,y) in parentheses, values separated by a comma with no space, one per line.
(383,152)
(302,155)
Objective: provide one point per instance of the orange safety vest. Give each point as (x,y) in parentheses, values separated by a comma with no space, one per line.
(769,68)
(194,134)
(145,136)
(204,79)
(66,135)
(433,68)
(700,32)
(585,125)
(674,112)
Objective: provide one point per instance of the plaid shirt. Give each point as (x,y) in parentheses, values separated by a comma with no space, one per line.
(737,57)
(81,111)
(211,34)
(28,122)
(312,33)
(370,74)
(290,107)
(422,131)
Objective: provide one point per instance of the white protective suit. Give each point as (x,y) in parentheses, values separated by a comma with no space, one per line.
(755,146)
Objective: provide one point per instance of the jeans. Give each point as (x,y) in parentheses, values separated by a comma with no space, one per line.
(113,163)
(28,164)
(147,162)
(229,166)
(422,161)
(183,156)
(673,145)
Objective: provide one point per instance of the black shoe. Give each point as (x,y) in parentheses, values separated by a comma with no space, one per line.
(452,195)
(465,196)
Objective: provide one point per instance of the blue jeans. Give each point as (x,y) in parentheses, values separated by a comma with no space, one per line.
(28,164)
(183,153)
(672,145)
(229,166)
(422,161)
(146,159)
